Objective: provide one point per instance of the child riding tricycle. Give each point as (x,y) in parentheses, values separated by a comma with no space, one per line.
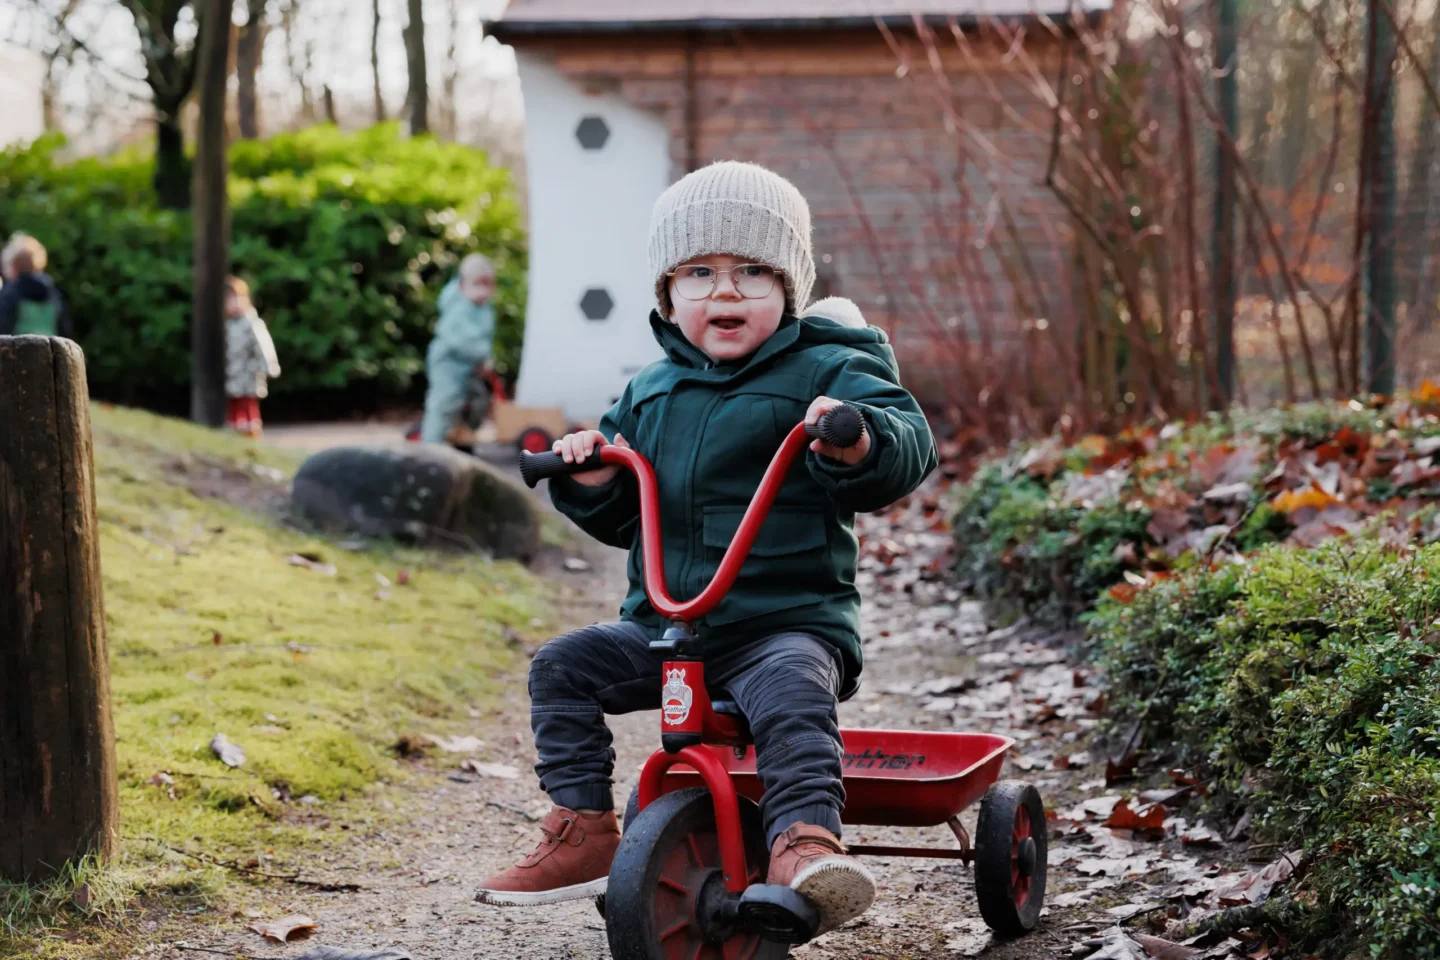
(732,844)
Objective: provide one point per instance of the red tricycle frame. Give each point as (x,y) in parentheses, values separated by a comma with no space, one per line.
(891,777)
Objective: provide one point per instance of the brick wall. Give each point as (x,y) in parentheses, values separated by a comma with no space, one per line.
(919,224)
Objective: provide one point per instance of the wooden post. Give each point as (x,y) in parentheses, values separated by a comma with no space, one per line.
(58,792)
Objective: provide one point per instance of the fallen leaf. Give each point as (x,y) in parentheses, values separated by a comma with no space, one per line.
(300,560)
(1291,500)
(501,771)
(81,896)
(576,565)
(1147,820)
(1228,493)
(1164,949)
(295,925)
(456,744)
(1200,837)
(1128,910)
(973,940)
(229,753)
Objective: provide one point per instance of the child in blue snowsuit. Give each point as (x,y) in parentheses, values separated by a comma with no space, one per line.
(464,340)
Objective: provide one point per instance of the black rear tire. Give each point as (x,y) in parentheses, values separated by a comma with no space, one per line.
(666,872)
(1010,852)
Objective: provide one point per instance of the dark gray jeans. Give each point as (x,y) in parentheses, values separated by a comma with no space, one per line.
(786,685)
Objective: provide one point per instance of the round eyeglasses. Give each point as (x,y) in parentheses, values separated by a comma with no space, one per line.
(696,281)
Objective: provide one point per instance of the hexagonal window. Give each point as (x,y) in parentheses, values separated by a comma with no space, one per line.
(592,133)
(596,304)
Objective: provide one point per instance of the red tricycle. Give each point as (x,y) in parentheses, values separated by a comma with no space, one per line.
(688,880)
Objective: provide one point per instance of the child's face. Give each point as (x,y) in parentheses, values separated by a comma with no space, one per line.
(479,288)
(726,325)
(234,306)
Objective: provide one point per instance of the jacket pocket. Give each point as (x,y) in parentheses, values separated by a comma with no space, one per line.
(785,567)
(785,531)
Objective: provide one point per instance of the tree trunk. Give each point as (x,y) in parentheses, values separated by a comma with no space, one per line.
(418,100)
(298,69)
(328,98)
(375,61)
(1380,262)
(451,78)
(58,791)
(211,220)
(1419,205)
(1223,277)
(1300,66)
(249,47)
(172,168)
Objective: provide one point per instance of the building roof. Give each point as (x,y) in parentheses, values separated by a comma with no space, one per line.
(537,17)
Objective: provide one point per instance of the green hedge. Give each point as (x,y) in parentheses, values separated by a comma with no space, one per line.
(1307,682)
(345,239)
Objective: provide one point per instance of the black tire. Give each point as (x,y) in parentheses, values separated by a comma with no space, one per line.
(1009,874)
(675,837)
(632,810)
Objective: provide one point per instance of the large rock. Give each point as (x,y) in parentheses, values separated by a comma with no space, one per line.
(419,492)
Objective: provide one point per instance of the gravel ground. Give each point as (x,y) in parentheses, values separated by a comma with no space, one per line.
(932,664)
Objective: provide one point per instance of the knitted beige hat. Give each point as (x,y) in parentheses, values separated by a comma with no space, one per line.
(737,208)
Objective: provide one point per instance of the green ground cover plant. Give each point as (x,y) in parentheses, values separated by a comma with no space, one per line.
(1304,685)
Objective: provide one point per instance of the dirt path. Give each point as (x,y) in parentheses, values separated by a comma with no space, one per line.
(932,663)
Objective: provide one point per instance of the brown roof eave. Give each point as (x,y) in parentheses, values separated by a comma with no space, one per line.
(507,31)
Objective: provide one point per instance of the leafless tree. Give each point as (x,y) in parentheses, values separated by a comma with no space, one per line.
(249,46)
(417,102)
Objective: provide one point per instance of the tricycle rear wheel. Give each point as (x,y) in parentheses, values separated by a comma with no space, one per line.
(1010,852)
(666,884)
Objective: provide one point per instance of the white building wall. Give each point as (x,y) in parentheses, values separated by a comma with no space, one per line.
(589,222)
(21,116)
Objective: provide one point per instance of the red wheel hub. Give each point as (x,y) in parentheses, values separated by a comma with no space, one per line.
(534,441)
(1022,856)
(683,933)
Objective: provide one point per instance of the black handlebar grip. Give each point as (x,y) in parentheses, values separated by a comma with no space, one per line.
(535,467)
(841,426)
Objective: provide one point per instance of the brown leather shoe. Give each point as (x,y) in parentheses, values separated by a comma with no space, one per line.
(572,862)
(811,861)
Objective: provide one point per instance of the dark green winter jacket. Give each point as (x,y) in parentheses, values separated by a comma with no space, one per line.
(710,430)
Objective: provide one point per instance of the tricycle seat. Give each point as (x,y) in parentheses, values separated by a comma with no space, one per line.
(730,728)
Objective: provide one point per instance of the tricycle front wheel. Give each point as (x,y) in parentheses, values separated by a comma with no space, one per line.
(666,885)
(1010,854)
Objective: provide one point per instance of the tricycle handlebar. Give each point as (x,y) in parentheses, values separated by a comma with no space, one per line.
(841,426)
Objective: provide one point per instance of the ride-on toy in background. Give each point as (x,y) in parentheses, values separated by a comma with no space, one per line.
(688,879)
(532,429)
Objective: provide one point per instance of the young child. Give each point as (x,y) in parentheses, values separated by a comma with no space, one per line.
(464,340)
(29,302)
(250,359)
(730,253)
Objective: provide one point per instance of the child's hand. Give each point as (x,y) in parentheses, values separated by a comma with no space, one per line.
(851,455)
(575,447)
